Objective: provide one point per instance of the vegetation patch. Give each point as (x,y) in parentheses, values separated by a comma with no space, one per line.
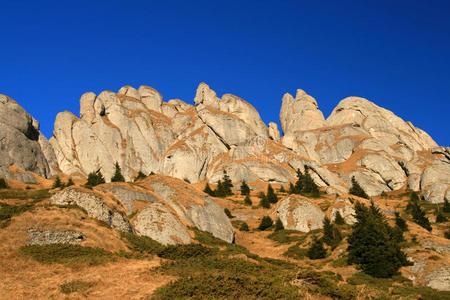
(25,194)
(75,286)
(286,236)
(67,254)
(141,244)
(296,252)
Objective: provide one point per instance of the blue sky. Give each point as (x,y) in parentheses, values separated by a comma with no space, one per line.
(395,53)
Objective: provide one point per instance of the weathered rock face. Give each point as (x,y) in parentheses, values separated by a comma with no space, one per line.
(46,237)
(22,144)
(297,213)
(160,207)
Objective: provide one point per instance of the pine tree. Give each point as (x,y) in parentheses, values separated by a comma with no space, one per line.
(331,234)
(316,251)
(140,176)
(245,189)
(247,200)
(244,227)
(400,222)
(357,190)
(266,222)
(291,188)
(57,183)
(282,190)
(117,174)
(227,184)
(417,212)
(70,182)
(446,208)
(309,186)
(3,184)
(100,178)
(440,218)
(338,219)
(298,188)
(208,190)
(220,190)
(373,245)
(94,178)
(271,196)
(264,201)
(278,225)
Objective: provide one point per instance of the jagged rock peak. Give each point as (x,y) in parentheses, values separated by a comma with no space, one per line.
(301,113)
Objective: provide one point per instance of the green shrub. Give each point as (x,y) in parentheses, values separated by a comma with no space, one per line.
(70,182)
(244,227)
(208,190)
(141,244)
(331,234)
(228,213)
(117,177)
(75,286)
(266,222)
(326,284)
(285,236)
(282,189)
(184,251)
(417,212)
(207,238)
(67,254)
(357,190)
(296,252)
(446,208)
(317,251)
(265,203)
(440,218)
(3,184)
(400,223)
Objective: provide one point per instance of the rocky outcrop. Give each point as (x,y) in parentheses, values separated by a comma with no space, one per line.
(297,213)
(94,205)
(22,145)
(46,237)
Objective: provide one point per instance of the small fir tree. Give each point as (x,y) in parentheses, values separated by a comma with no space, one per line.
(316,251)
(245,189)
(400,222)
(282,189)
(70,182)
(244,227)
(57,183)
(373,245)
(220,190)
(331,234)
(357,190)
(292,188)
(271,196)
(266,222)
(95,178)
(264,201)
(278,225)
(440,218)
(417,213)
(247,200)
(118,177)
(3,184)
(227,185)
(338,219)
(446,208)
(208,190)
(299,187)
(309,186)
(140,176)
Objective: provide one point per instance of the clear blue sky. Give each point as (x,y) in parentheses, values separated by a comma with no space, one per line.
(395,53)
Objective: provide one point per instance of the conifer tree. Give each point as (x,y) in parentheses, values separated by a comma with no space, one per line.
(298,188)
(440,218)
(118,177)
(309,186)
(227,185)
(140,176)
(316,251)
(373,244)
(357,190)
(57,183)
(3,184)
(292,188)
(70,182)
(271,196)
(331,234)
(400,222)
(446,208)
(417,212)
(245,189)
(264,201)
(266,222)
(278,225)
(244,227)
(338,219)
(247,200)
(95,178)
(282,190)
(220,190)
(208,190)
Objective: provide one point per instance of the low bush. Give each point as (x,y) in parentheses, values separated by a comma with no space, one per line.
(67,254)
(75,286)
(285,236)
(266,222)
(141,244)
(184,251)
(3,184)
(244,227)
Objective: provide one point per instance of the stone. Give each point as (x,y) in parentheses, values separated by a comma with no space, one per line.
(439,279)
(274,133)
(297,213)
(47,237)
